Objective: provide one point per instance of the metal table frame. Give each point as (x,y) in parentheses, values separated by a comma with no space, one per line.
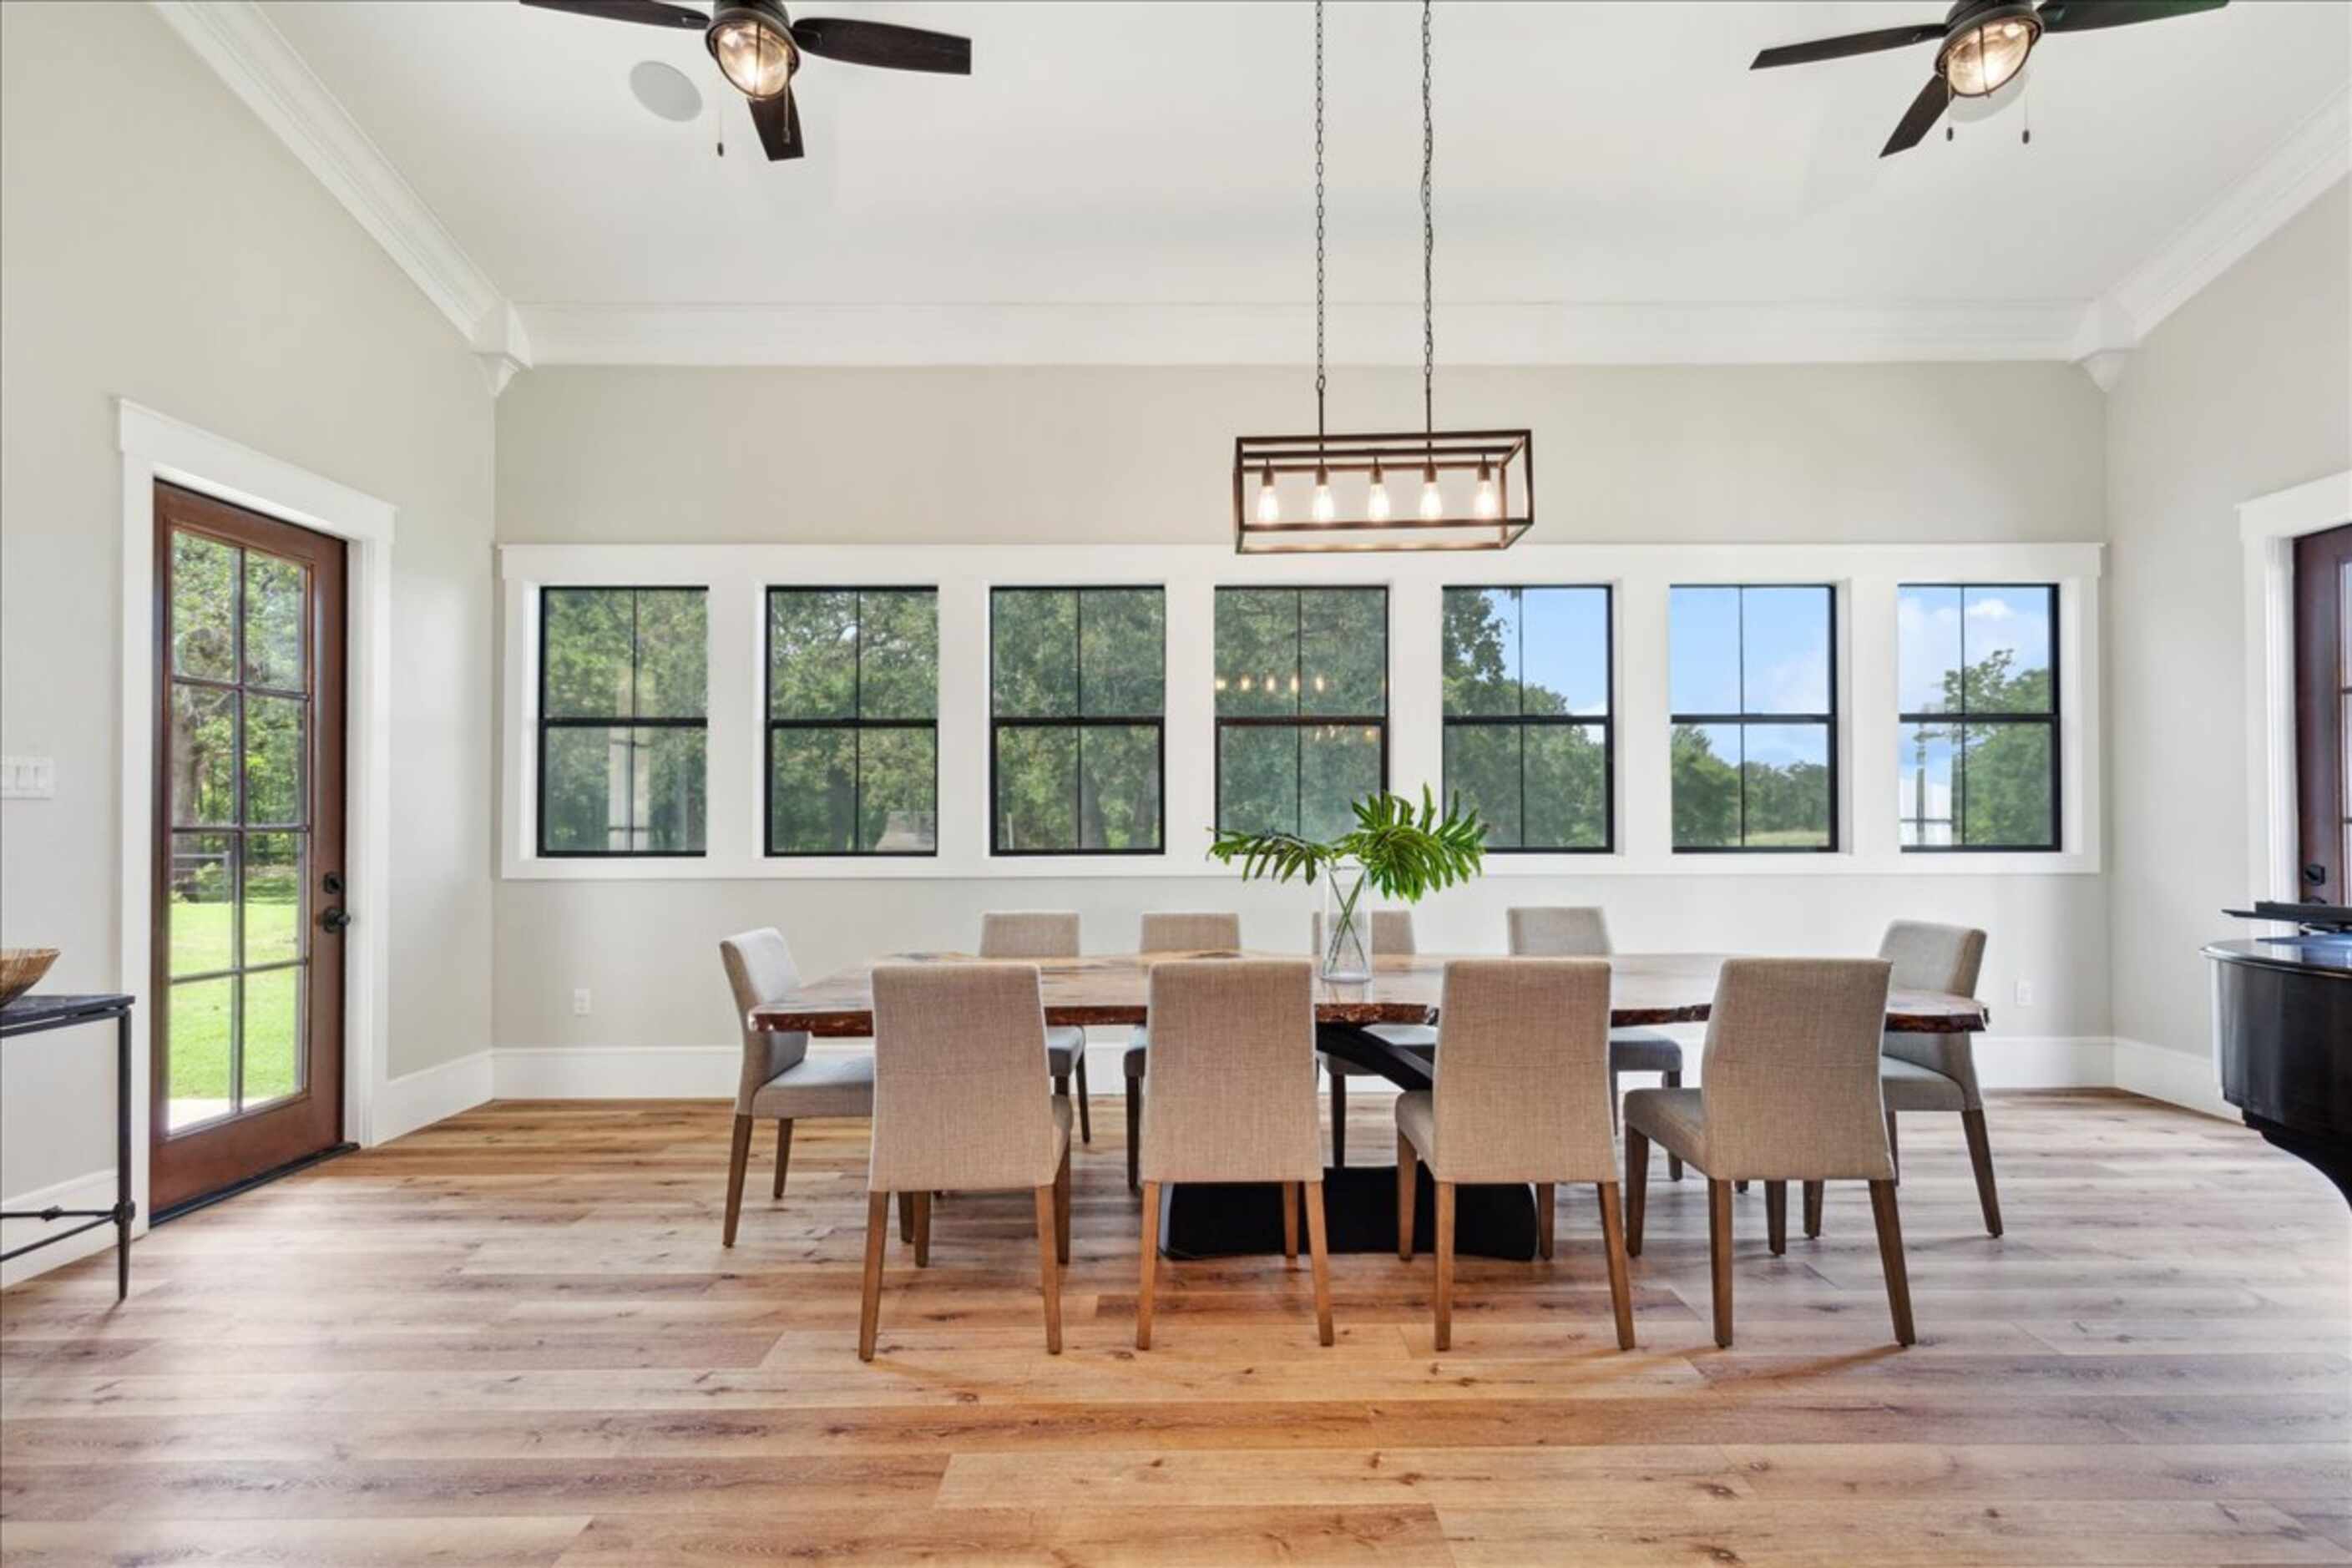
(47,1013)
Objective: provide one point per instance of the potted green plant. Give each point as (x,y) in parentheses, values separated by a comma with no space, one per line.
(1396,852)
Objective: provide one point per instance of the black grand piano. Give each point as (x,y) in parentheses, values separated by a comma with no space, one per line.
(2282,1025)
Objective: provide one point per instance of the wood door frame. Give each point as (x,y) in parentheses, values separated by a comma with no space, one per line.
(154,448)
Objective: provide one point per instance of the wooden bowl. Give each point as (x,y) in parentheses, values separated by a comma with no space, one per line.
(21,969)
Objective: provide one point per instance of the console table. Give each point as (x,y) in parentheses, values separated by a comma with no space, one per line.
(35,1015)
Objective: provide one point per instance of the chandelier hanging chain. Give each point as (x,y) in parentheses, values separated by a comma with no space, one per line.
(1428,242)
(1318,219)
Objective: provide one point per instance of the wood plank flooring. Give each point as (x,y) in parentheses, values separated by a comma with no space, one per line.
(514,1338)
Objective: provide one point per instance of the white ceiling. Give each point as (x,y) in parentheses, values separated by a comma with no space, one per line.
(1159,156)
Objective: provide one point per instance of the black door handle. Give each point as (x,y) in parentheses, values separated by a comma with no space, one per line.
(335,919)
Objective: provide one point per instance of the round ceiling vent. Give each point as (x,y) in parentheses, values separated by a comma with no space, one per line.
(664,91)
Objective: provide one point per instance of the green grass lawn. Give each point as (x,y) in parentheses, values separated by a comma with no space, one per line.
(203,937)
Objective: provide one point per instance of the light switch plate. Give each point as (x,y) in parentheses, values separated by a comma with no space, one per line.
(28,778)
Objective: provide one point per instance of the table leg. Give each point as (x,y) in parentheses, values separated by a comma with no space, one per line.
(123,1207)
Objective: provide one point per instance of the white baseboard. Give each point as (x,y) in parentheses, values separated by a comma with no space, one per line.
(429,1095)
(94,1191)
(2178,1077)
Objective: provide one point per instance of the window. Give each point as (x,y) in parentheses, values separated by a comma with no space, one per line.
(621,719)
(853,721)
(1527,738)
(1077,679)
(1752,680)
(1977,749)
(1302,706)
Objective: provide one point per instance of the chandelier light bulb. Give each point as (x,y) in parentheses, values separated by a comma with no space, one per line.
(1269,505)
(1376,506)
(1323,509)
(1433,504)
(1489,503)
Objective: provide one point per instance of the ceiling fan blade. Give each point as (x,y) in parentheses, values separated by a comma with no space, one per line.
(653,13)
(1851,44)
(779,122)
(881,44)
(1921,117)
(2082,15)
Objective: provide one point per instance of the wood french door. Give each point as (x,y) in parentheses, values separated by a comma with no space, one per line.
(2323,712)
(247,911)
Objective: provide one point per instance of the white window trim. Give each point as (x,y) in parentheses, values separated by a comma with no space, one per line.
(1865,576)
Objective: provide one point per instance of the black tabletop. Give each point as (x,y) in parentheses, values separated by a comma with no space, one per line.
(48,1009)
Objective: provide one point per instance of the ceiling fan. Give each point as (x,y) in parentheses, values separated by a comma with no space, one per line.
(758,51)
(1980,45)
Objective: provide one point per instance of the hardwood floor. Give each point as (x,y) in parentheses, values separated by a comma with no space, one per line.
(514,1338)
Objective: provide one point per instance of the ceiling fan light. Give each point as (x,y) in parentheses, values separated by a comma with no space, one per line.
(753,51)
(1979,60)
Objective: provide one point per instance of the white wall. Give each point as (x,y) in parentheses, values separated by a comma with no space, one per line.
(2244,390)
(157,243)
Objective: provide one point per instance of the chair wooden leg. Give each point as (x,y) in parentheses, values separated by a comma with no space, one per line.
(1134,1133)
(1775,1217)
(1620,1286)
(1086,1110)
(1637,1189)
(739,1155)
(1339,1119)
(1718,1247)
(1674,1161)
(1812,1209)
(1150,1265)
(1061,1086)
(1049,1277)
(1973,1122)
(922,1230)
(1547,1203)
(1616,1101)
(1408,1180)
(1290,1224)
(783,1153)
(1318,1254)
(1445,1265)
(869,1305)
(1062,1209)
(1893,1152)
(1890,1259)
(907,1217)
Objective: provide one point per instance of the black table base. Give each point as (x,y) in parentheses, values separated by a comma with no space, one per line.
(37,1014)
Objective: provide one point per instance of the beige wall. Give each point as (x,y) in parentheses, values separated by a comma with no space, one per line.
(2244,390)
(158,243)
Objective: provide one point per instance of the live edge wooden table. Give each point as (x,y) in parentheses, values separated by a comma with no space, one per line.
(1108,990)
(33,1015)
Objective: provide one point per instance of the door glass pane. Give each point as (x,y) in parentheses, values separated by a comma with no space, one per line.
(812,796)
(2007,638)
(811,654)
(275,601)
(202,755)
(201,887)
(274,758)
(1480,647)
(272,1058)
(1338,764)
(1257,778)
(2005,777)
(1923,765)
(1785,773)
(274,927)
(204,607)
(1927,650)
(1566,804)
(897,802)
(1118,787)
(1706,760)
(203,1025)
(1036,653)
(1482,774)
(1036,788)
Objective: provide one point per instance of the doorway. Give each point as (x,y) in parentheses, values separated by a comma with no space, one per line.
(246,918)
(2322,713)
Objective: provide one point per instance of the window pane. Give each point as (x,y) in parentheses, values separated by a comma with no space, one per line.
(584,790)
(589,643)
(668,791)
(1703,650)
(274,603)
(1036,642)
(1481,649)
(200,911)
(1706,785)
(1118,787)
(1257,651)
(1482,774)
(1566,804)
(1928,644)
(812,793)
(203,754)
(1787,779)
(811,654)
(2005,782)
(898,812)
(1125,651)
(203,1022)
(272,1060)
(1338,764)
(899,649)
(1036,788)
(204,607)
(1565,644)
(1785,638)
(1257,778)
(2007,642)
(273,897)
(1924,793)
(274,757)
(672,653)
(1343,652)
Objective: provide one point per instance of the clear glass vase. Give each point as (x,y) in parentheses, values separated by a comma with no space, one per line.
(1346,925)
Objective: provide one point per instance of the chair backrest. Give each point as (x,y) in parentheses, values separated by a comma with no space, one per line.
(1392,932)
(1791,1071)
(1191,931)
(1230,1096)
(1560,931)
(1028,933)
(1930,957)
(760,969)
(1522,1072)
(958,1102)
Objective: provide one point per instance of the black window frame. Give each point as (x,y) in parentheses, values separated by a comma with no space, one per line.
(855,722)
(575,721)
(1080,719)
(1743,720)
(1606,723)
(1296,721)
(1961,719)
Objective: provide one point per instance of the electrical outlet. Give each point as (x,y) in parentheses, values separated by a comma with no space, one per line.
(2025,993)
(580,1003)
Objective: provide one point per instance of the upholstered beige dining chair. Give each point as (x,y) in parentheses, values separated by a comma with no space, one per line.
(780,1078)
(1045,934)
(1231,1098)
(1936,1072)
(1582,931)
(1789,1092)
(1521,1094)
(1182,931)
(1392,932)
(958,1107)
